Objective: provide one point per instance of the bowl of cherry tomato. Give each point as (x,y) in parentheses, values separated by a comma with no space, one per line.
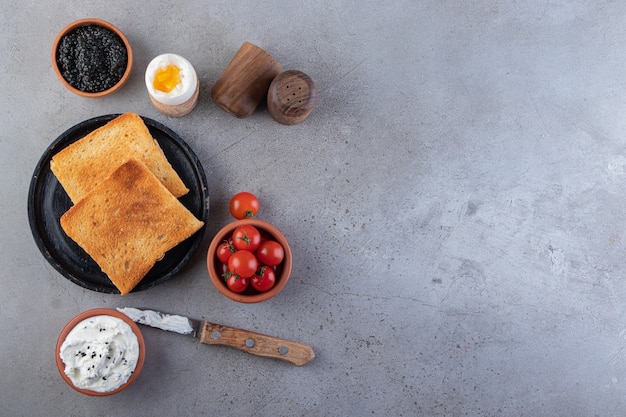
(249,261)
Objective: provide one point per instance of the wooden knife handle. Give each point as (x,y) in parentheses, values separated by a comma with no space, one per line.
(257,344)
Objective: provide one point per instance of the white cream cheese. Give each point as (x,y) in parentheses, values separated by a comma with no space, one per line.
(183,91)
(170,322)
(100,353)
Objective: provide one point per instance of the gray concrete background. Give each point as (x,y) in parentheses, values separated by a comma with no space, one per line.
(455,204)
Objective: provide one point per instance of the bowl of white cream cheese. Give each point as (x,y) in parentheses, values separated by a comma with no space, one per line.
(100,352)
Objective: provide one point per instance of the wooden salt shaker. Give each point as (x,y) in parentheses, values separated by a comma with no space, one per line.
(245,81)
(291,97)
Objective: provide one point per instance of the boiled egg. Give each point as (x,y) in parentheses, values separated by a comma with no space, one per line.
(171,79)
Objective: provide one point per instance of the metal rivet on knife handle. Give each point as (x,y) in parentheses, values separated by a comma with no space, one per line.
(250,343)
(217,335)
(283,350)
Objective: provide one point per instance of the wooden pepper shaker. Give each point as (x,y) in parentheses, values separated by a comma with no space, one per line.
(245,81)
(291,97)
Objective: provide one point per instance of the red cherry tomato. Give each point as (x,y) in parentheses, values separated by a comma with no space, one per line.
(224,251)
(270,253)
(237,284)
(243,263)
(246,237)
(264,279)
(244,205)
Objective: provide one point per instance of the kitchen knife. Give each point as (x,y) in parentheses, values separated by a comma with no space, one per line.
(216,334)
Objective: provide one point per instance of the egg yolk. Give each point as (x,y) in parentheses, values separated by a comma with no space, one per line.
(166,78)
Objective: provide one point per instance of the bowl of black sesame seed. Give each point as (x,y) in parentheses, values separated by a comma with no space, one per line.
(92,58)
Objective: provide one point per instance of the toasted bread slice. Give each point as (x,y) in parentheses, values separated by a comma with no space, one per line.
(87,162)
(128,222)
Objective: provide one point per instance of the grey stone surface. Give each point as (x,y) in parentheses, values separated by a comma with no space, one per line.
(454,202)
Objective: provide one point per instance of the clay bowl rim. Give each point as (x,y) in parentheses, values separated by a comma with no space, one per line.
(281,280)
(101,312)
(83,22)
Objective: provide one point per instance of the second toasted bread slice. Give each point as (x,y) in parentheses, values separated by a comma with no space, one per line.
(87,162)
(128,222)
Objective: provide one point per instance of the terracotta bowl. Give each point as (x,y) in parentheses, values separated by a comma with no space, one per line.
(101,312)
(283,270)
(82,22)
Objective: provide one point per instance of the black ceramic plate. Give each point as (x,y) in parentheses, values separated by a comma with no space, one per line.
(47,201)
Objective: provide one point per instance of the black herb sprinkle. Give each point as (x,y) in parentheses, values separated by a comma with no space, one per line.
(92,58)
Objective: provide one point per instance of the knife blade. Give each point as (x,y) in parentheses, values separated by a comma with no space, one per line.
(218,334)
